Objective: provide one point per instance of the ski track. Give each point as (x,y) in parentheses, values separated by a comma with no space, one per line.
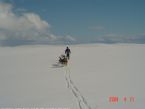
(82,102)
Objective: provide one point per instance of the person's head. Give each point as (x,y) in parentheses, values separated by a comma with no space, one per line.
(67,47)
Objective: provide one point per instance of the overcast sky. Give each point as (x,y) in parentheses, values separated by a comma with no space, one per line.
(72,21)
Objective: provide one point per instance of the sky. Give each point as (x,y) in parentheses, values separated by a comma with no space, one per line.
(71,21)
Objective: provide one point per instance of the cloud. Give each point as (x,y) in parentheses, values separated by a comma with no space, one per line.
(116,38)
(27,26)
(68,38)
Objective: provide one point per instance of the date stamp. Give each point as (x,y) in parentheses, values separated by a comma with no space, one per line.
(124,99)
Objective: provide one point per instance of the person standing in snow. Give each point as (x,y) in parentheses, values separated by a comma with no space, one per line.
(67,52)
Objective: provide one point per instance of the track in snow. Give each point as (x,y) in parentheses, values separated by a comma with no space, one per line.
(82,102)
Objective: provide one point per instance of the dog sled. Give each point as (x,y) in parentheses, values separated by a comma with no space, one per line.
(63,60)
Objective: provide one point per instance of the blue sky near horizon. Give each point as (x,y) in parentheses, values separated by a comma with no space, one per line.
(89,20)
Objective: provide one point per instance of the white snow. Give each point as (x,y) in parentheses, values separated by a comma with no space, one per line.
(95,72)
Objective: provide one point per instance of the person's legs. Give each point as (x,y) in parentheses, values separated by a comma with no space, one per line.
(68,56)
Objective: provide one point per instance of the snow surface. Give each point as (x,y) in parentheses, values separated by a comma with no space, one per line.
(29,76)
